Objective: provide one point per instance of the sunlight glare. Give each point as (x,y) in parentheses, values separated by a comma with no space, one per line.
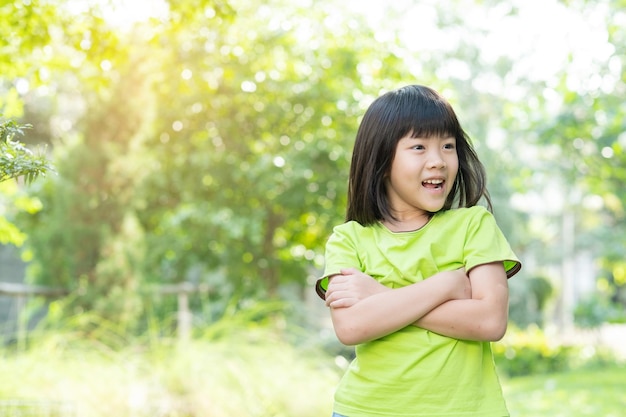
(127,12)
(540,45)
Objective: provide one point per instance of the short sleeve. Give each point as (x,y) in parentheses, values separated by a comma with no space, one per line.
(341,252)
(485,243)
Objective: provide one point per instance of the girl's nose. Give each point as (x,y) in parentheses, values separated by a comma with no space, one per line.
(436,162)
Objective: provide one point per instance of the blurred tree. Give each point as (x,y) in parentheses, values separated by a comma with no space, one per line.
(221,134)
(583,148)
(527,302)
(85,239)
(22,39)
(254,142)
(211,144)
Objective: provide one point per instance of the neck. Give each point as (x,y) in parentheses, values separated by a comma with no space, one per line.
(407,223)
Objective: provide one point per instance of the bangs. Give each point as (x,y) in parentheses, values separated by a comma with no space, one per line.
(432,121)
(424,113)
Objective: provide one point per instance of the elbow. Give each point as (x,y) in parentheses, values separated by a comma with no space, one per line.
(496,336)
(494,330)
(349,336)
(347,341)
(349,329)
(351,333)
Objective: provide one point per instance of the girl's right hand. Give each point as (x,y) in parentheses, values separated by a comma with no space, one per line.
(351,286)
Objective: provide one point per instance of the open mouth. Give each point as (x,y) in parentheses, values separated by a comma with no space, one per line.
(434,184)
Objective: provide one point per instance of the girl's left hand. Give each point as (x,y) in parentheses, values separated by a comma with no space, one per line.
(351,286)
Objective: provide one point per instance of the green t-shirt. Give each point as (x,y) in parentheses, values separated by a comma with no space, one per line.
(415,372)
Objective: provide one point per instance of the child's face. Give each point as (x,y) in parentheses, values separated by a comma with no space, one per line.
(422,174)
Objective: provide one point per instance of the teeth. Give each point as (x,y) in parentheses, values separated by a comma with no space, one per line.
(434,181)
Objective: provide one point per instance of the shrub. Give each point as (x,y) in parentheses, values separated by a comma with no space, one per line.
(530,351)
(596,310)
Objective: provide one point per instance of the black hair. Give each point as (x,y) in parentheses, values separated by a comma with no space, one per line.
(421,112)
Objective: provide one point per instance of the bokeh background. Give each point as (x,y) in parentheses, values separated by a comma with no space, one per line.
(200,148)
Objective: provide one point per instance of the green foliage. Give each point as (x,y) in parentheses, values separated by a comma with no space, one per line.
(531,351)
(16,160)
(10,234)
(241,186)
(253,182)
(596,310)
(527,300)
(22,18)
(583,145)
(12,201)
(86,238)
(211,144)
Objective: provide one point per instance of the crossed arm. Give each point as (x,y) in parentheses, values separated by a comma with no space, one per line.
(451,303)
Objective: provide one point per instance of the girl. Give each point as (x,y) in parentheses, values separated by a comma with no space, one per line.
(416,277)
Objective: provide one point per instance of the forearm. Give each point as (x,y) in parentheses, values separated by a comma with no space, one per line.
(483,317)
(466,319)
(386,312)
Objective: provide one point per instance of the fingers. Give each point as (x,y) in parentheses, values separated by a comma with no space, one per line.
(340,293)
(337,288)
(344,289)
(343,277)
(343,303)
(340,299)
(331,300)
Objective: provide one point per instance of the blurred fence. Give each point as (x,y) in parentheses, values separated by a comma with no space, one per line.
(15,325)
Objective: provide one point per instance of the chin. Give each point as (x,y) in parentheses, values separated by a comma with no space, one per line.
(434,209)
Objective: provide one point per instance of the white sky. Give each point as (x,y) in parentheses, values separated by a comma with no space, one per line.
(539,38)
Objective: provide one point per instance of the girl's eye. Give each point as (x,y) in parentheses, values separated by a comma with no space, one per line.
(418,147)
(449,146)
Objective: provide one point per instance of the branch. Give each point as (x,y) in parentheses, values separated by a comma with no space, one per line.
(16,160)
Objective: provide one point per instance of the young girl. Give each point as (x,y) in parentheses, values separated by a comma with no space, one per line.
(417,276)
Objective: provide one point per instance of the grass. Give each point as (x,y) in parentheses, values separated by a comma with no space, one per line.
(251,373)
(597,393)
